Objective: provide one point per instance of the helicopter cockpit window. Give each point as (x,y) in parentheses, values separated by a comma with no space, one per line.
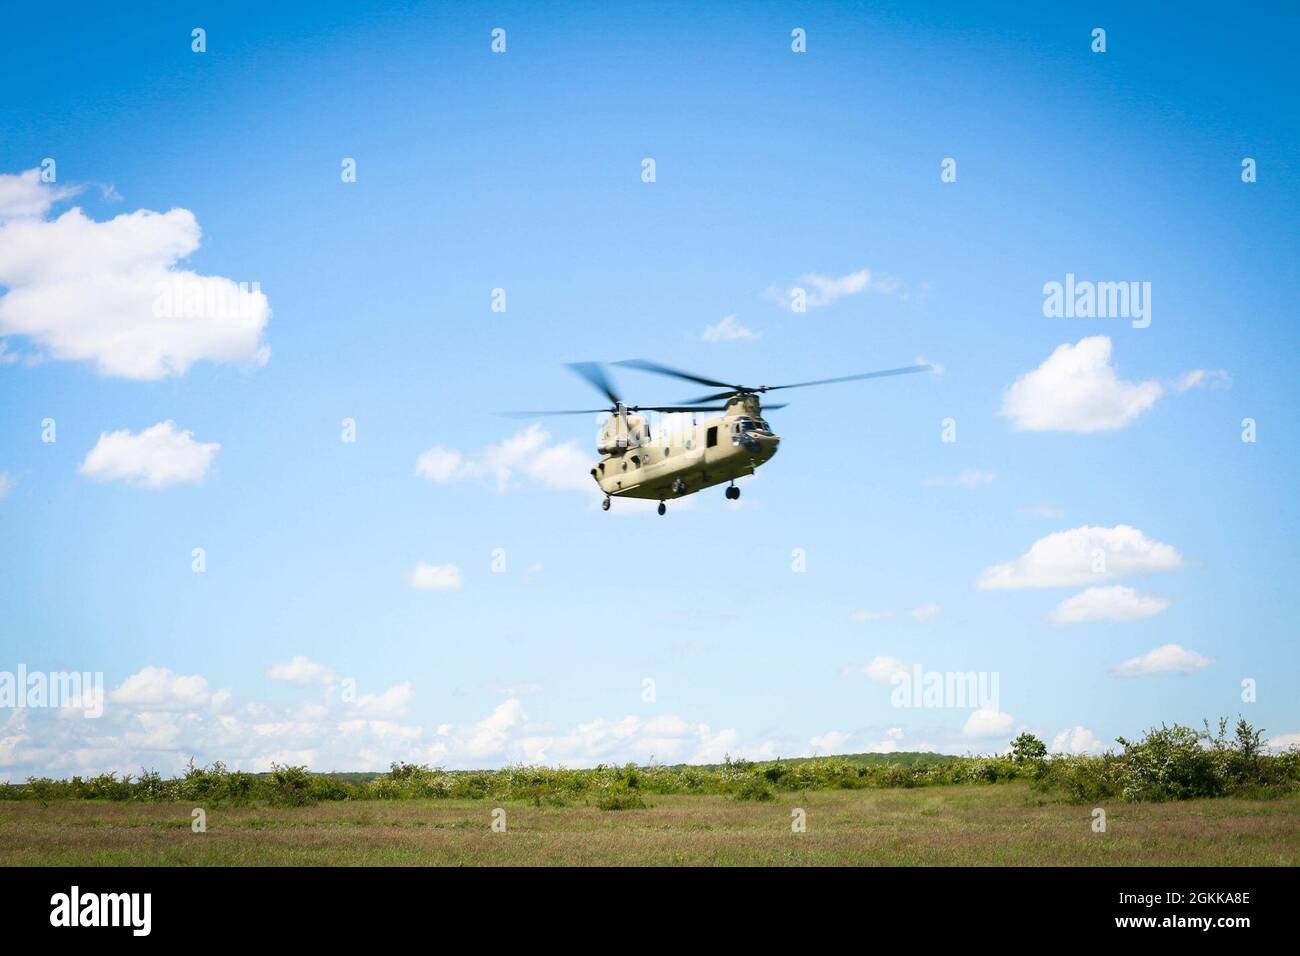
(754,425)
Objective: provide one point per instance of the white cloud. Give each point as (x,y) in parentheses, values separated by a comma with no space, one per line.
(162,689)
(831,742)
(389,705)
(882,669)
(967,479)
(1165,659)
(156,457)
(519,689)
(924,612)
(1084,555)
(7,483)
(302,671)
(1114,603)
(821,290)
(159,719)
(729,329)
(1204,378)
(24,196)
(1077,390)
(111,293)
(1282,742)
(1076,740)
(987,722)
(526,454)
(435,577)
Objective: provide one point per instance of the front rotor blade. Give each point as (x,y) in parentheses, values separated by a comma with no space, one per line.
(677,408)
(562,411)
(658,369)
(853,378)
(595,375)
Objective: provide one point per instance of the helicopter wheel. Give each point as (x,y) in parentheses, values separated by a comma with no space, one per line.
(663,508)
(733,493)
(604,505)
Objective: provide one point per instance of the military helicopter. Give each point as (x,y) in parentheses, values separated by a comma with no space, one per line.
(638,464)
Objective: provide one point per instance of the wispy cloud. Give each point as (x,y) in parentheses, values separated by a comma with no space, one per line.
(729,329)
(814,290)
(526,454)
(967,479)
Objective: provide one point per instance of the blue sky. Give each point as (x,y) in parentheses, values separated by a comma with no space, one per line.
(522,171)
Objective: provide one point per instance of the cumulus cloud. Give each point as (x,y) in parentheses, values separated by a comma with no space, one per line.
(1115,603)
(1077,390)
(1076,740)
(1082,556)
(526,454)
(435,577)
(7,483)
(817,289)
(159,719)
(156,457)
(988,722)
(302,671)
(111,292)
(163,689)
(729,329)
(1165,659)
(24,196)
(388,705)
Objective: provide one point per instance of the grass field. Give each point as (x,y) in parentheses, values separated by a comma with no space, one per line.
(1002,824)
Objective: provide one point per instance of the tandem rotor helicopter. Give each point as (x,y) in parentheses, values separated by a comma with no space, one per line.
(636,464)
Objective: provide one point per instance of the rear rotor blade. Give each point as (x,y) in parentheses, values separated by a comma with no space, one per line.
(853,378)
(594,373)
(658,369)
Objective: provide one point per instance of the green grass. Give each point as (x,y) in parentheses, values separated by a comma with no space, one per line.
(999,824)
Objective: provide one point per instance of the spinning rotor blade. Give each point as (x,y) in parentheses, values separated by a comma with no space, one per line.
(822,381)
(658,369)
(562,411)
(853,378)
(595,375)
(677,408)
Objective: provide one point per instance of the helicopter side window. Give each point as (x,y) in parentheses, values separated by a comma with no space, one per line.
(711,438)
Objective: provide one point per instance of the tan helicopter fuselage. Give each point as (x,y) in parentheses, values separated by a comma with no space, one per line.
(682,462)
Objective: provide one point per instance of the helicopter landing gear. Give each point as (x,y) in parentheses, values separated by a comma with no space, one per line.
(733,492)
(663,508)
(604,505)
